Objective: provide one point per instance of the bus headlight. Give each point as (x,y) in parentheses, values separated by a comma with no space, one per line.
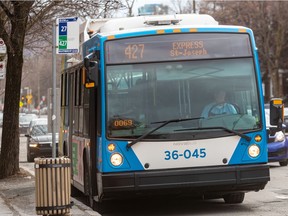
(254,150)
(116,159)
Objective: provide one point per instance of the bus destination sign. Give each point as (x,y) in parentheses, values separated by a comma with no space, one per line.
(184,48)
(170,47)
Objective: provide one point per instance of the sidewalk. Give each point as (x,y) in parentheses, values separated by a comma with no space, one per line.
(17,197)
(4,208)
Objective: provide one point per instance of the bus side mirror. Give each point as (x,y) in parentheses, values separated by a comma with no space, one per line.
(90,73)
(277,113)
(93,71)
(86,62)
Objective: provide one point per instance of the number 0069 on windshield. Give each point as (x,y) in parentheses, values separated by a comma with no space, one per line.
(121,124)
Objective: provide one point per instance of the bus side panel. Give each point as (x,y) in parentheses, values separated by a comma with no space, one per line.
(78,145)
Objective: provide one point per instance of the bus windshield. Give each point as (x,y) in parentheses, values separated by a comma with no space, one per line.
(140,94)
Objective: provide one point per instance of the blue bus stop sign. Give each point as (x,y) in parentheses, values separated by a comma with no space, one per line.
(67,35)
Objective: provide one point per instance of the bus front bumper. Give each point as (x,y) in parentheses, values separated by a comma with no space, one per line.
(204,180)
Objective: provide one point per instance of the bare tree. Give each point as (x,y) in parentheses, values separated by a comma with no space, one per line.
(183,6)
(129,4)
(38,35)
(13,33)
(31,19)
(268,20)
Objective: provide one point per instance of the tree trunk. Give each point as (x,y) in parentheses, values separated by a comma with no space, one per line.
(10,131)
(9,157)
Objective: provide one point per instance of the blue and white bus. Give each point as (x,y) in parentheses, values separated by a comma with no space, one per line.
(132,117)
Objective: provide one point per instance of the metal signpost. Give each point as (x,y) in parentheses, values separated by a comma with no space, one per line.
(65,41)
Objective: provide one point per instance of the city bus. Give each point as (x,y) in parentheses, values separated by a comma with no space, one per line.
(132,111)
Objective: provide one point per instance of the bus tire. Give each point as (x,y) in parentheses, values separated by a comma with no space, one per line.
(234,198)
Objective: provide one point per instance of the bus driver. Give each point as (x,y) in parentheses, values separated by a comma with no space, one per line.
(219,106)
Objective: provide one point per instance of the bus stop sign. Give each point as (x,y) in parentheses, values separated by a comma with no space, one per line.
(67,35)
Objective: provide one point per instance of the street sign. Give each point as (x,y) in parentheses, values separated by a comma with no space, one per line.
(2,47)
(67,35)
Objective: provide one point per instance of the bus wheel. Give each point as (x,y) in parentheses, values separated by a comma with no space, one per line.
(234,198)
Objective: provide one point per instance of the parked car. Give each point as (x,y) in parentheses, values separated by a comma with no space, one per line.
(24,121)
(39,142)
(277,144)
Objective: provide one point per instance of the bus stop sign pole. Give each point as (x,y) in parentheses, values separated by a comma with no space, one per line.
(53,116)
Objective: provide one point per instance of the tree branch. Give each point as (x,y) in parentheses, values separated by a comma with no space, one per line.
(42,13)
(6,10)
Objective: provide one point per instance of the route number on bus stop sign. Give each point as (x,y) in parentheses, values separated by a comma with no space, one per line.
(67,35)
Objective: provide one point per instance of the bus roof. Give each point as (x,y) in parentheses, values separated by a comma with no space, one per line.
(119,24)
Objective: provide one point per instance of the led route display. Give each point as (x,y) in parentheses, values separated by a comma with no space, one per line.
(177,47)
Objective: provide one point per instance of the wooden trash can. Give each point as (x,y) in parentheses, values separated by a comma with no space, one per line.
(53,189)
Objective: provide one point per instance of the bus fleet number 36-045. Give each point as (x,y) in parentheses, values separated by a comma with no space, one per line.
(187,154)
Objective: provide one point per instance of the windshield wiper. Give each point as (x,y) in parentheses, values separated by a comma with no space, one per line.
(223,128)
(160,126)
